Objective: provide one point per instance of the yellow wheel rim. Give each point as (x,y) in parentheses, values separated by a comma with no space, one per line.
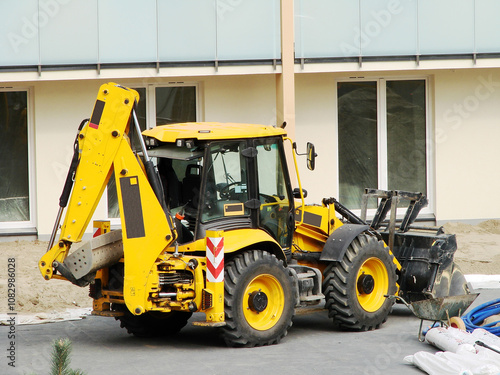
(372,283)
(263,302)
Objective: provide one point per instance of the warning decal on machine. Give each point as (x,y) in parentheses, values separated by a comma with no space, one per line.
(215,259)
(97,114)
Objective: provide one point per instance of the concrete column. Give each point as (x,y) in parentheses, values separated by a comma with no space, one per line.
(285,82)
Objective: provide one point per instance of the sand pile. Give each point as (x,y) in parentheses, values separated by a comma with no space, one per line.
(478,253)
(478,246)
(33,293)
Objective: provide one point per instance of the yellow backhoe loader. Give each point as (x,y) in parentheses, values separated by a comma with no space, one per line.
(210,223)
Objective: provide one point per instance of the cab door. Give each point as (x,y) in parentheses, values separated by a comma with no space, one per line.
(274,190)
(226,193)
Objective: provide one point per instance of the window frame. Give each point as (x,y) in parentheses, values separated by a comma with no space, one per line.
(151,99)
(151,119)
(382,152)
(31,224)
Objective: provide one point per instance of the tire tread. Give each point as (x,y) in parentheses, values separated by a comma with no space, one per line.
(336,288)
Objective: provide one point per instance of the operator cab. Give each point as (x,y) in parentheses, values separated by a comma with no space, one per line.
(226,185)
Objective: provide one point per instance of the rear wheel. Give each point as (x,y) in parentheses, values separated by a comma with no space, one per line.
(258,302)
(152,324)
(355,287)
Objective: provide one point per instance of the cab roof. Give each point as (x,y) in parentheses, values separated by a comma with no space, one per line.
(211,131)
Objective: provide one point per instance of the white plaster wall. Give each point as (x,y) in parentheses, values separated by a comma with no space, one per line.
(464,111)
(315,121)
(59,107)
(467,152)
(244,99)
(465,115)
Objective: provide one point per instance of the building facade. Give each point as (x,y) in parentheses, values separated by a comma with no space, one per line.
(395,94)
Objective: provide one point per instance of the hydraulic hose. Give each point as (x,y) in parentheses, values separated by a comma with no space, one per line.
(68,185)
(476,316)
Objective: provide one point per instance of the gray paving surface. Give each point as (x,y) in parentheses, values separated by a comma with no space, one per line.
(311,347)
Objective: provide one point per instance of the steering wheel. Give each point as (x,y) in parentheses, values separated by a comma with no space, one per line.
(226,191)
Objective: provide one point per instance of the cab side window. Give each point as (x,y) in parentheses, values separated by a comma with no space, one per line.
(226,189)
(273,195)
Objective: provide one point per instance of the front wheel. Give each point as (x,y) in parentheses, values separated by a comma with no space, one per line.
(258,302)
(355,288)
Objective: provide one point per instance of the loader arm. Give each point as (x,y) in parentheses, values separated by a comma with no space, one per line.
(105,147)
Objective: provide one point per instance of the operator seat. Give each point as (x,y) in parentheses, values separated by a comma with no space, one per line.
(171,184)
(191,185)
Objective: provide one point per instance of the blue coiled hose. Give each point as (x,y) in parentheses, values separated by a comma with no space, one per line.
(477,315)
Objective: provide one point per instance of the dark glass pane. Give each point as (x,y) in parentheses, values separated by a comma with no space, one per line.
(175,104)
(141,116)
(406,134)
(113,209)
(14,175)
(141,107)
(357,132)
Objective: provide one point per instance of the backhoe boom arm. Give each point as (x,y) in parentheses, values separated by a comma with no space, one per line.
(104,147)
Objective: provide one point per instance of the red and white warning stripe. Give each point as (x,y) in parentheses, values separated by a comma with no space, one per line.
(97,231)
(215,259)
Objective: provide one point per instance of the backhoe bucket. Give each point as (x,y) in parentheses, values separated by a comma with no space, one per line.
(100,252)
(428,270)
(425,253)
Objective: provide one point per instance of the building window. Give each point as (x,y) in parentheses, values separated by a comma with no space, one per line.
(382,127)
(158,105)
(175,104)
(15,202)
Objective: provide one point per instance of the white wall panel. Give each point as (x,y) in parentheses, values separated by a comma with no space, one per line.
(446,26)
(327,28)
(487,26)
(19,32)
(248,29)
(70,34)
(187,30)
(388,27)
(127,31)
(54,32)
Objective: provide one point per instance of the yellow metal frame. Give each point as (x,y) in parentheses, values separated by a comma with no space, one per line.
(211,131)
(105,150)
(98,148)
(104,147)
(157,236)
(103,225)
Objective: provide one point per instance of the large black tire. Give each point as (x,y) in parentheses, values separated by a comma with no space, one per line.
(258,302)
(152,324)
(355,287)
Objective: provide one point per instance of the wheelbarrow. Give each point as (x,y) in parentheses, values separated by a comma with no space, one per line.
(443,310)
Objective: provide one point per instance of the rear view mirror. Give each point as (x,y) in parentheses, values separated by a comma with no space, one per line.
(311,156)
